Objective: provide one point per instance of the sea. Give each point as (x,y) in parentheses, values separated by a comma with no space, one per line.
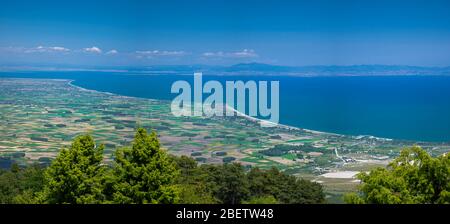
(398,107)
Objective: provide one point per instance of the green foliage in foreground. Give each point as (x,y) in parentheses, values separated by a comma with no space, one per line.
(231,184)
(19,185)
(144,173)
(414,177)
(75,175)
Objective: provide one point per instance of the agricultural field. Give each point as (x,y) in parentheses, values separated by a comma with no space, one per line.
(38,117)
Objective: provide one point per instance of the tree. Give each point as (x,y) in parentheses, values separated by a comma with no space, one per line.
(195,194)
(144,173)
(231,184)
(75,175)
(283,187)
(19,185)
(413,177)
(227,182)
(192,182)
(188,169)
(262,200)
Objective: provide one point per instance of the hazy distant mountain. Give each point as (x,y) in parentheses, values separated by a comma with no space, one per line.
(255,69)
(354,70)
(258,67)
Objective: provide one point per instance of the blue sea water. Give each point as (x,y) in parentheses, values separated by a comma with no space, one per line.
(400,107)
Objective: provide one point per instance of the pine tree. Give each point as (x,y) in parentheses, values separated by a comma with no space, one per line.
(144,173)
(75,175)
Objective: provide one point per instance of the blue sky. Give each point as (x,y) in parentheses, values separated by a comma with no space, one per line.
(225,32)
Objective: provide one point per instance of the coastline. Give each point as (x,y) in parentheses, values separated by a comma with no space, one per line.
(224,134)
(70,82)
(262,122)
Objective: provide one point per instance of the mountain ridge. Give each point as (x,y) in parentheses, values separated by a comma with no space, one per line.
(250,69)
